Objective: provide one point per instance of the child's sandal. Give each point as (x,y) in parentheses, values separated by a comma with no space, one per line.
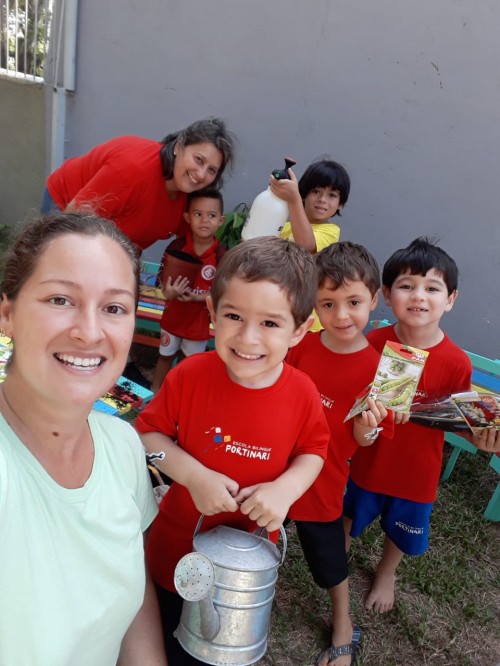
(334,651)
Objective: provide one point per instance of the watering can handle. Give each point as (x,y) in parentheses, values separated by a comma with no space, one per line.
(284,538)
(259,533)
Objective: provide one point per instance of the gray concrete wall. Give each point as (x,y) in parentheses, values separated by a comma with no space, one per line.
(22,141)
(405,94)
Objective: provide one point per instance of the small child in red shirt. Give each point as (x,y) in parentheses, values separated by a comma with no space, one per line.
(341,363)
(185,322)
(397,478)
(241,433)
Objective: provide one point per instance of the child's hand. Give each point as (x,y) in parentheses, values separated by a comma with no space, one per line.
(186,297)
(365,424)
(174,289)
(265,504)
(401,418)
(190,296)
(371,417)
(488,440)
(285,189)
(213,493)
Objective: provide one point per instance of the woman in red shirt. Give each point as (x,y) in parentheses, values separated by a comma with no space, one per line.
(142,184)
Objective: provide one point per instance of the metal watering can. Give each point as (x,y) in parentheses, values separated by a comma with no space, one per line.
(228,586)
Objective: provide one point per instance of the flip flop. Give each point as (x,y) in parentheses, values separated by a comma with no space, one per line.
(333,651)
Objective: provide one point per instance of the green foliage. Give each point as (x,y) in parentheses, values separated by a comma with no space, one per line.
(229,233)
(24,35)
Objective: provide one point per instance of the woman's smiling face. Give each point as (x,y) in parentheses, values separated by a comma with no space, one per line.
(72,321)
(196,166)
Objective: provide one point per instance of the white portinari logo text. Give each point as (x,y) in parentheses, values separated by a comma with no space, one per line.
(249,451)
(218,439)
(327,402)
(409,528)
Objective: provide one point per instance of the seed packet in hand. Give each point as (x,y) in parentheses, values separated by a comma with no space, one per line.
(480,411)
(396,379)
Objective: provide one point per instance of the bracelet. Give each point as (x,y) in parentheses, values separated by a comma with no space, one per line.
(372,434)
(151,457)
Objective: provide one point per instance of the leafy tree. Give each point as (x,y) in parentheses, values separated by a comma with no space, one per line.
(24,33)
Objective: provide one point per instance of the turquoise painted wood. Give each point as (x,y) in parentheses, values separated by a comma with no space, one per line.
(493,509)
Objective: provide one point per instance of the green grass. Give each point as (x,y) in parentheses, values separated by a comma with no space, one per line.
(448,600)
(447,607)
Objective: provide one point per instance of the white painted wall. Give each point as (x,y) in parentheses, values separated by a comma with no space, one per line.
(405,94)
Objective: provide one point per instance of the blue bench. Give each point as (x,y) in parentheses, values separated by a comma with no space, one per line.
(485,378)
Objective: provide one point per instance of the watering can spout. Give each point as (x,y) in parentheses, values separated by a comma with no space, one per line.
(194,578)
(209,618)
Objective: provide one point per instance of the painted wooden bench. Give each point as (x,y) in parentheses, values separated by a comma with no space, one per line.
(485,378)
(150,307)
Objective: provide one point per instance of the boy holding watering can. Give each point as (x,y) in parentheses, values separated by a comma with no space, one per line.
(241,433)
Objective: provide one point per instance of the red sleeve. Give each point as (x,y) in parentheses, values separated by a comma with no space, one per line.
(160,415)
(315,434)
(109,192)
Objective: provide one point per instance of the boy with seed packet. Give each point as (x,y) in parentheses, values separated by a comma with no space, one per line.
(397,478)
(341,363)
(241,433)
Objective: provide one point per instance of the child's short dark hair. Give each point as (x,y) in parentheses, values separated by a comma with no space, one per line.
(207,193)
(275,260)
(326,173)
(419,258)
(345,261)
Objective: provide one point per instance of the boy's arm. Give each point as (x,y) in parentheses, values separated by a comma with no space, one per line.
(365,425)
(288,190)
(268,503)
(210,491)
(364,429)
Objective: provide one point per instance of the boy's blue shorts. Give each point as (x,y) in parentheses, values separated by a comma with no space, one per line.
(405,522)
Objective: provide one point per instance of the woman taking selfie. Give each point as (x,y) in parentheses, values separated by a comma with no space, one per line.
(75,498)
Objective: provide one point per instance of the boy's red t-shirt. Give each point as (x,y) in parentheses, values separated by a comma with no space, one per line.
(250,435)
(340,378)
(408,466)
(191,320)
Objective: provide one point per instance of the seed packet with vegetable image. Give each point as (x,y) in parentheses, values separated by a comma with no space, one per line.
(396,379)
(479,411)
